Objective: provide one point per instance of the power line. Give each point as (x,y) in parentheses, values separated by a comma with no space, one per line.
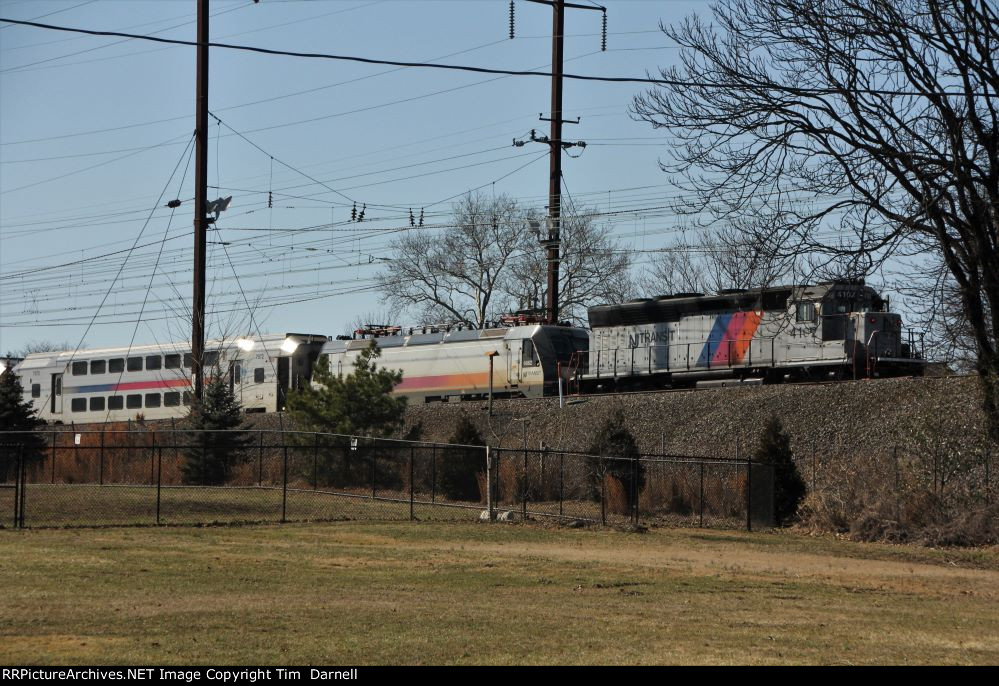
(466,68)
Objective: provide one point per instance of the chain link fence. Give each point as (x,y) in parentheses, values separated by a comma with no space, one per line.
(166,477)
(675,490)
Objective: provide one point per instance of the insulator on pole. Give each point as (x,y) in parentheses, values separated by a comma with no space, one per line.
(603,33)
(353,213)
(511,19)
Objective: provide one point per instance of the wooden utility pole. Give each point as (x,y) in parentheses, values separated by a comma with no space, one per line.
(555,165)
(200,203)
(553,243)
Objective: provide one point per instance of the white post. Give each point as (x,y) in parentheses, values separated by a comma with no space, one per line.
(490,505)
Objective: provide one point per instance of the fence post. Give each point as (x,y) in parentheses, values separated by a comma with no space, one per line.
(260,460)
(284,481)
(523,500)
(700,500)
(634,489)
(204,456)
(561,481)
(101,469)
(749,489)
(894,456)
(159,480)
(53,455)
(490,483)
(603,491)
(17,482)
(152,461)
(374,457)
(315,463)
(24,485)
(411,485)
(433,474)
(988,483)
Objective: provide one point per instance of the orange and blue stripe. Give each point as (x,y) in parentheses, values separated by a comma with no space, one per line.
(130,386)
(730,338)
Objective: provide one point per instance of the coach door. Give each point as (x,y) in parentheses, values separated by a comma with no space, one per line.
(56,394)
(283,375)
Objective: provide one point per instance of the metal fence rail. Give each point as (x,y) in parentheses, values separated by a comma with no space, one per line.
(165,477)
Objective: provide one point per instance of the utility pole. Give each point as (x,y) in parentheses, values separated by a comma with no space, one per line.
(553,243)
(200,203)
(555,165)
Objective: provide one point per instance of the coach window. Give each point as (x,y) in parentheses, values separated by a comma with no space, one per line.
(98,366)
(133,402)
(79,368)
(152,399)
(258,375)
(79,405)
(187,397)
(529,358)
(153,362)
(171,361)
(97,404)
(171,399)
(188,360)
(805,312)
(116,365)
(36,390)
(116,402)
(135,364)
(211,359)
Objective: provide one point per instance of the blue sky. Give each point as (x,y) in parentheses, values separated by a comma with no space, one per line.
(91,130)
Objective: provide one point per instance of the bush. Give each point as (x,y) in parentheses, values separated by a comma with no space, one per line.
(17,415)
(789,487)
(615,440)
(216,447)
(458,473)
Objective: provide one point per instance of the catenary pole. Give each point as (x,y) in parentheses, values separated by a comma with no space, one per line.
(200,202)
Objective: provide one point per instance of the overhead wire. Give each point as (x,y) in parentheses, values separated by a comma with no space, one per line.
(468,68)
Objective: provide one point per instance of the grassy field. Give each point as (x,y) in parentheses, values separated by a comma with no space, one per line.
(472,593)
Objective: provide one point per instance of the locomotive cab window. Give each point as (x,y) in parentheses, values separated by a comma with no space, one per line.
(529,356)
(36,390)
(805,311)
(258,375)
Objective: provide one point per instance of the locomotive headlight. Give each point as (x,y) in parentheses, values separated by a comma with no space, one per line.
(245,344)
(289,346)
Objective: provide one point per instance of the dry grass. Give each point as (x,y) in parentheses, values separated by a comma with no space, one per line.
(497,594)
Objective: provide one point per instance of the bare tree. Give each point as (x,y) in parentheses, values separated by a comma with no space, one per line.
(593,269)
(854,129)
(42,346)
(715,260)
(457,274)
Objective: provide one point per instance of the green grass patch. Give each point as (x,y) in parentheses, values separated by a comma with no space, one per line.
(457,593)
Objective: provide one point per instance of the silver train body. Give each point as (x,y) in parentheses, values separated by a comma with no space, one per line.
(784,333)
(154,381)
(455,365)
